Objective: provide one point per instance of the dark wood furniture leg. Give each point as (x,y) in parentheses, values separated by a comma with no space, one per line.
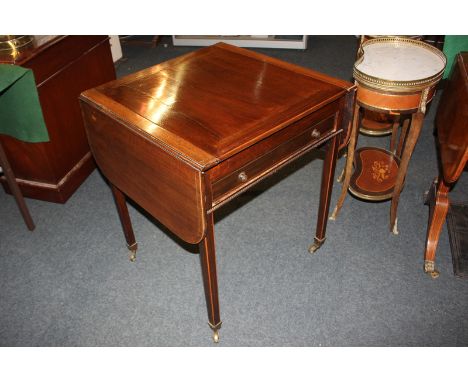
(403,133)
(11,180)
(210,280)
(328,172)
(438,201)
(122,209)
(396,125)
(413,135)
(349,162)
(342,174)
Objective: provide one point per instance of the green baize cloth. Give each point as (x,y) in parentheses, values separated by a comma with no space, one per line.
(452,46)
(20,110)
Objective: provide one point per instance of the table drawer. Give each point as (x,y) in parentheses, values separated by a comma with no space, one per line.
(270,158)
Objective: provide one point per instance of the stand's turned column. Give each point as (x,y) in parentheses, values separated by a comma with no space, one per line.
(11,180)
(210,280)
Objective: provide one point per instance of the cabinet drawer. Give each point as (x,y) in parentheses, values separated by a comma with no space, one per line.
(245,174)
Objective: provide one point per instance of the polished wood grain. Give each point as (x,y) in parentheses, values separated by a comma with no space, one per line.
(403,134)
(348,169)
(375,173)
(292,141)
(318,122)
(188,135)
(121,204)
(210,278)
(438,202)
(376,123)
(347,116)
(452,136)
(410,143)
(203,101)
(326,186)
(452,122)
(142,170)
(63,68)
(388,102)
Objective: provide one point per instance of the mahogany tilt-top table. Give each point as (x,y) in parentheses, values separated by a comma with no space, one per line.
(452,138)
(184,137)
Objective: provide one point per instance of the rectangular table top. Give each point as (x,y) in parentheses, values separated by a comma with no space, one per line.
(208,105)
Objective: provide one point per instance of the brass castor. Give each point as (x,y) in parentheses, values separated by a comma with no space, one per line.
(334,214)
(133,249)
(341,177)
(434,274)
(316,245)
(216,336)
(426,197)
(215,329)
(429,268)
(395,227)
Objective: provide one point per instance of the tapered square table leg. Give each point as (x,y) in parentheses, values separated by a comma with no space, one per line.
(210,280)
(124,216)
(328,172)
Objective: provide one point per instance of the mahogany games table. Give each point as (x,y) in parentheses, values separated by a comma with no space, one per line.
(184,137)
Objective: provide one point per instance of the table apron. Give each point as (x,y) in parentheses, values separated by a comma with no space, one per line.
(268,170)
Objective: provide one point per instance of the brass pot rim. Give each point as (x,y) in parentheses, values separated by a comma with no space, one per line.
(16,43)
(393,85)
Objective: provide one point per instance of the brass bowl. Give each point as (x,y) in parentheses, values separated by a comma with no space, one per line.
(12,46)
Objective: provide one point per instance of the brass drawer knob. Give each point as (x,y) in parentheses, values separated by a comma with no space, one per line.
(315,133)
(243,177)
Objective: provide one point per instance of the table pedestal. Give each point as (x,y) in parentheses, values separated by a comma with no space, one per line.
(452,139)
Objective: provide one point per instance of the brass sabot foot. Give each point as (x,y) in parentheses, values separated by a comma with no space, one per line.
(429,268)
(316,245)
(334,214)
(434,274)
(426,197)
(215,329)
(341,177)
(395,227)
(216,336)
(133,249)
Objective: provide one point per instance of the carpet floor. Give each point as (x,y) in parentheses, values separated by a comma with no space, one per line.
(69,283)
